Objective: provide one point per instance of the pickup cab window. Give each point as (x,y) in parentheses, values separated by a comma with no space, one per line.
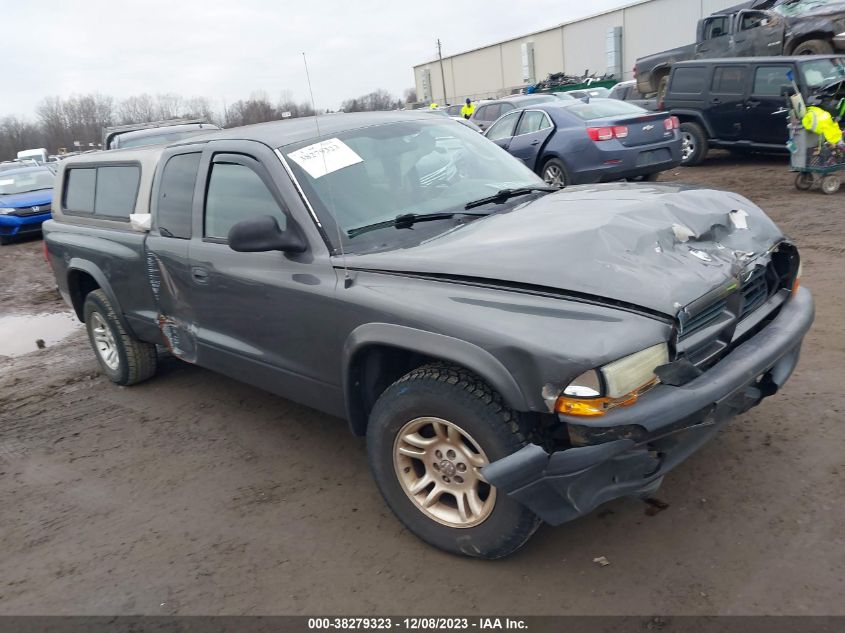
(176,196)
(236,193)
(716,27)
(109,191)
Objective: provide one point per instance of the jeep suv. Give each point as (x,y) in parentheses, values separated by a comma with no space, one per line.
(740,103)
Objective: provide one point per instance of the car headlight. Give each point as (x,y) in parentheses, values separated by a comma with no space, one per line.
(5,210)
(616,384)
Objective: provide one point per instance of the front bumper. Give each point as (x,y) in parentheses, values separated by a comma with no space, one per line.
(671,423)
(17,225)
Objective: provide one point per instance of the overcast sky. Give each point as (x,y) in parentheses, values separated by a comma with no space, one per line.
(227,50)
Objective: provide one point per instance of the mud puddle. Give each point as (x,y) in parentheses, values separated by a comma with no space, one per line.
(25,333)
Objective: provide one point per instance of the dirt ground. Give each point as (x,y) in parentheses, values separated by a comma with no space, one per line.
(195,494)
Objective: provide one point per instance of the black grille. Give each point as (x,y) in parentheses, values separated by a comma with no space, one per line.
(704,318)
(755,291)
(37,210)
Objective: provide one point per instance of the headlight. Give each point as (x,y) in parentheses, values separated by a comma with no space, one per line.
(5,210)
(619,383)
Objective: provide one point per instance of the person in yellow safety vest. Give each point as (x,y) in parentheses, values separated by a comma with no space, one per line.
(822,123)
(468,109)
(433,106)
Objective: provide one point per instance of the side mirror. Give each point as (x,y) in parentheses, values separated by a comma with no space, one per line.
(261,234)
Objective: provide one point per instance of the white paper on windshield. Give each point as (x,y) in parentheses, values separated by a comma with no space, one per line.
(7,182)
(335,155)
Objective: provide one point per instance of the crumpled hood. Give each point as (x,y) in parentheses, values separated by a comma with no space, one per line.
(31,198)
(659,247)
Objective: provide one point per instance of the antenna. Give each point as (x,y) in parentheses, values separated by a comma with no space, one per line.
(347,280)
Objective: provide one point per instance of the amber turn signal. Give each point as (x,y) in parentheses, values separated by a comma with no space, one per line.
(589,407)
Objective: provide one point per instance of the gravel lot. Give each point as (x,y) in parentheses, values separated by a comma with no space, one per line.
(195,494)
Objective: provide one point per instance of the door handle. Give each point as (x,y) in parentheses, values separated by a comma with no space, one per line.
(781,111)
(536,141)
(715,101)
(199,275)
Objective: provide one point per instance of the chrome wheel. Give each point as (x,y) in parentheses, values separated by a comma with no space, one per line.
(439,467)
(687,146)
(104,341)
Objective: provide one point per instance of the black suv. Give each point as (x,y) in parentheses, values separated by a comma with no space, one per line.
(741,103)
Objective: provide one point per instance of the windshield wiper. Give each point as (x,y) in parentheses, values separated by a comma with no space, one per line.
(405,221)
(506,194)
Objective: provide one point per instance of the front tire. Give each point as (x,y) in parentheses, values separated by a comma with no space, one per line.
(429,435)
(122,357)
(694,145)
(554,173)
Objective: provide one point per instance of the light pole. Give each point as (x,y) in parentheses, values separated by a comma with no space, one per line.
(442,74)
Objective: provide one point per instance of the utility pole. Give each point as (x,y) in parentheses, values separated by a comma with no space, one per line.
(442,74)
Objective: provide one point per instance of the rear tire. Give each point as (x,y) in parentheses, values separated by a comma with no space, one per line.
(5,239)
(813,47)
(122,357)
(662,88)
(554,173)
(441,408)
(695,145)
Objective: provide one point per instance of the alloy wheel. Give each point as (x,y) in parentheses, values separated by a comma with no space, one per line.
(554,176)
(104,341)
(687,146)
(438,465)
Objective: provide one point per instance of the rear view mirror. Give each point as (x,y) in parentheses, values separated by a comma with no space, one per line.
(261,234)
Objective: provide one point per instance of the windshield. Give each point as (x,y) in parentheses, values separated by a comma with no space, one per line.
(823,72)
(13,183)
(603,108)
(419,166)
(799,7)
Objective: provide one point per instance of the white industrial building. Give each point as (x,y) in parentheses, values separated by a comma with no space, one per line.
(607,42)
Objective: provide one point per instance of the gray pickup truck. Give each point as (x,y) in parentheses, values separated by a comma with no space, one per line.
(512,354)
(760,28)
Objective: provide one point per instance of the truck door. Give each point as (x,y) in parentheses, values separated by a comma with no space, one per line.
(714,38)
(726,101)
(167,248)
(259,315)
(766,110)
(758,34)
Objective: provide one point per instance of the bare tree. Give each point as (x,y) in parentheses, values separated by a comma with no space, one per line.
(377,100)
(410,95)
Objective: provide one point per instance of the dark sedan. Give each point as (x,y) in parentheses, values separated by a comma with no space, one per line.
(585,142)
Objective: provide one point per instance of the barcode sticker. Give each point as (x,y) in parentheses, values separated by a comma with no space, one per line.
(325,157)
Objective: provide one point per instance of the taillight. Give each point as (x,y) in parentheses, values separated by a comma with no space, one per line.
(671,123)
(607,133)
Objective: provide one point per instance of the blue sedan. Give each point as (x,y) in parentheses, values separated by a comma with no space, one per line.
(584,142)
(25,198)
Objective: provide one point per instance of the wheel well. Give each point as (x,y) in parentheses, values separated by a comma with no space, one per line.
(80,284)
(371,371)
(816,35)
